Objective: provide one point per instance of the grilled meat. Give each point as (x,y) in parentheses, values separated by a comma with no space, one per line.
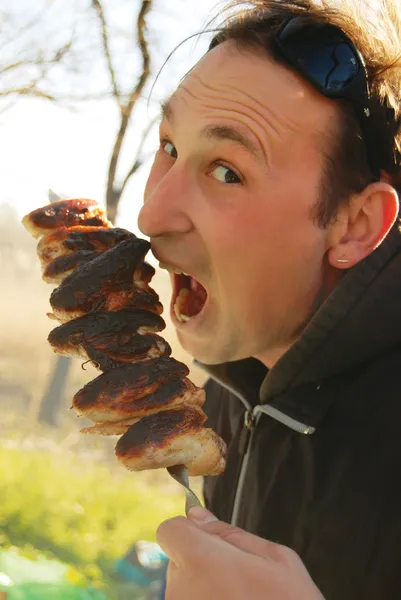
(110,339)
(111,316)
(105,284)
(172,437)
(118,407)
(65,213)
(64,250)
(129,383)
(62,266)
(110,427)
(66,241)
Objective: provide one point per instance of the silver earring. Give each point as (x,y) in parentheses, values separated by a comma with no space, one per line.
(342,260)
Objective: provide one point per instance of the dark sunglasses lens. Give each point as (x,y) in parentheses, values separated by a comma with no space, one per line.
(321,53)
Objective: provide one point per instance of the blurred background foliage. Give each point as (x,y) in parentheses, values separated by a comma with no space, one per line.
(62,506)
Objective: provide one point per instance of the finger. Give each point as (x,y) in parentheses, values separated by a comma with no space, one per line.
(233,535)
(186,544)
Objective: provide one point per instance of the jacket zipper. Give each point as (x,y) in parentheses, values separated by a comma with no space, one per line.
(244,448)
(251,419)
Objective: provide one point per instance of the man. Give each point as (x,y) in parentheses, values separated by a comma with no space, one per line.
(272,200)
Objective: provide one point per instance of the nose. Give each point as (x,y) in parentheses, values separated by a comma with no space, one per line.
(165,208)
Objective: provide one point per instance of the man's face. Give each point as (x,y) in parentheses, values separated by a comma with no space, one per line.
(229,200)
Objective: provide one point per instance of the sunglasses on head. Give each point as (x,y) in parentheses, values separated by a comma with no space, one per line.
(328,59)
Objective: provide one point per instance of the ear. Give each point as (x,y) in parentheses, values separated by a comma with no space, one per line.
(362,225)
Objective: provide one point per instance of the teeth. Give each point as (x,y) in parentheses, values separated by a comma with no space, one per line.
(180,317)
(177,306)
(172,269)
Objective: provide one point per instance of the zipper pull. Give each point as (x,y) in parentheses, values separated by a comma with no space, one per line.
(246,431)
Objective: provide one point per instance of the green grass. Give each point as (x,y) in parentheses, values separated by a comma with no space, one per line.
(82,513)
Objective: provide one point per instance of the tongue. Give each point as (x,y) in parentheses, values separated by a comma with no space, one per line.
(192,302)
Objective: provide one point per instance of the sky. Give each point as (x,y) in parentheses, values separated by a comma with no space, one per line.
(44,146)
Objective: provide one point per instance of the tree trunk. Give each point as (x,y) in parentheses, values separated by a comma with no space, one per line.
(54,398)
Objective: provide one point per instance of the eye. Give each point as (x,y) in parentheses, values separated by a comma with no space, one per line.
(169,148)
(225,175)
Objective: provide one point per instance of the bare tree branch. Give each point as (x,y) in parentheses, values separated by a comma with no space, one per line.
(106,49)
(139,158)
(7,106)
(11,67)
(29,90)
(29,25)
(113,194)
(36,64)
(37,68)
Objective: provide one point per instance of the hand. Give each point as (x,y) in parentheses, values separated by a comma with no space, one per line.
(210,559)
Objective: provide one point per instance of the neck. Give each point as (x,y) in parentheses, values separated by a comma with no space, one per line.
(273,355)
(331,279)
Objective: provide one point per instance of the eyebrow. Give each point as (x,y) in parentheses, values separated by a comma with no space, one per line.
(225,132)
(217,132)
(166,111)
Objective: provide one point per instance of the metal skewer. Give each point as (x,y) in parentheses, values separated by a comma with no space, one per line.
(180,474)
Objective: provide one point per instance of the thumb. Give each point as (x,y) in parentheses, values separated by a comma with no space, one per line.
(235,536)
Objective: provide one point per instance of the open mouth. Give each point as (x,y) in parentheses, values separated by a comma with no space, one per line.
(189,297)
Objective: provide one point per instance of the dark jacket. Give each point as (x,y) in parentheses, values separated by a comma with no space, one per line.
(314,457)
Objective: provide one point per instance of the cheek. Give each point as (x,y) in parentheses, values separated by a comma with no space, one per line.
(263,259)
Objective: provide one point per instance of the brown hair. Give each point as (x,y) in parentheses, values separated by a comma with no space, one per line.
(376,32)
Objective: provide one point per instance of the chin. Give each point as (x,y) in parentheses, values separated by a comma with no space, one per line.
(204,351)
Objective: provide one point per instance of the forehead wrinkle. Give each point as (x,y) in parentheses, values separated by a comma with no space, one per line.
(262,108)
(259,109)
(236,115)
(259,150)
(273,119)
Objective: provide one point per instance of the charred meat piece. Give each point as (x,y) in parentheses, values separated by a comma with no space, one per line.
(134,390)
(65,213)
(111,338)
(143,276)
(62,266)
(67,241)
(129,382)
(173,437)
(110,428)
(105,284)
(117,407)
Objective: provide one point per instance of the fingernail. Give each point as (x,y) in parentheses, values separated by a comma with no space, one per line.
(201,516)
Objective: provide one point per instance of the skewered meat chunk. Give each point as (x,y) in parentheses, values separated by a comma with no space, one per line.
(62,266)
(110,339)
(66,241)
(137,390)
(110,427)
(64,250)
(105,284)
(174,392)
(170,438)
(129,382)
(65,213)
